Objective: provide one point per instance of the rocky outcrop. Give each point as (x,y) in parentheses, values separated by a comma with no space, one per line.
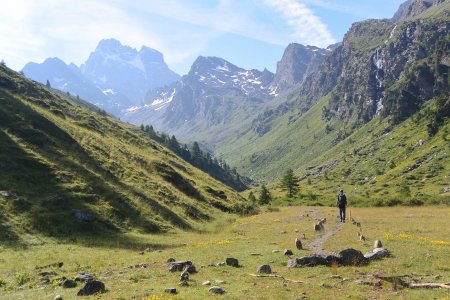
(412,8)
(297,63)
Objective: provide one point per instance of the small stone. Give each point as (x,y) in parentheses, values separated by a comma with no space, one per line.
(92,287)
(298,244)
(318,227)
(220,264)
(45,273)
(183,283)
(288,252)
(345,279)
(264,269)
(230,261)
(336,276)
(216,290)
(171,260)
(171,290)
(275,251)
(296,230)
(207,282)
(377,244)
(184,276)
(283,231)
(58,297)
(255,254)
(220,281)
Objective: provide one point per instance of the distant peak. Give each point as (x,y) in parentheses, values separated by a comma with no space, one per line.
(112,46)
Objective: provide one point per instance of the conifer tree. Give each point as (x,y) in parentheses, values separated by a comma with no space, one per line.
(251,197)
(290,183)
(264,195)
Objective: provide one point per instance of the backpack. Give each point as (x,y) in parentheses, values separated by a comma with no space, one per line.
(342,199)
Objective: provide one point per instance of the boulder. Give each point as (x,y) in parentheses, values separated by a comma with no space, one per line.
(82,215)
(178,265)
(171,290)
(318,227)
(230,261)
(5,194)
(311,261)
(216,290)
(288,252)
(264,269)
(298,244)
(377,244)
(352,257)
(190,269)
(92,287)
(67,283)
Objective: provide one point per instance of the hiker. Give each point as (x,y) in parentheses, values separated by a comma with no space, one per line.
(342,203)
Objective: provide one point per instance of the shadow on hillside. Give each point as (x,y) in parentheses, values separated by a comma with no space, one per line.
(27,175)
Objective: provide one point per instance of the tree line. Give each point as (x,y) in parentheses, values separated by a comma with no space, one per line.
(203,160)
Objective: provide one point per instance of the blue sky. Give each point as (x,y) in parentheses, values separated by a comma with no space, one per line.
(248,33)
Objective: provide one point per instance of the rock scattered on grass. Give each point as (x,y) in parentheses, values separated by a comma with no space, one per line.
(84,277)
(92,287)
(58,297)
(264,269)
(184,276)
(220,281)
(216,290)
(67,283)
(298,244)
(179,265)
(275,251)
(377,244)
(170,290)
(288,252)
(171,260)
(231,261)
(207,282)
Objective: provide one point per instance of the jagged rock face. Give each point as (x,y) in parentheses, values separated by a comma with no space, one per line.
(360,71)
(412,8)
(298,62)
(364,88)
(211,93)
(131,72)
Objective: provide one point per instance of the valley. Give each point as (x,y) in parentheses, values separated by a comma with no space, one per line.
(121,179)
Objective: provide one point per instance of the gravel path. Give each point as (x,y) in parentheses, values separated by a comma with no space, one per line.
(316,245)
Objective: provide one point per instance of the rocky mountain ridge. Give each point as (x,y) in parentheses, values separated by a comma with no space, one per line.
(216,93)
(114,77)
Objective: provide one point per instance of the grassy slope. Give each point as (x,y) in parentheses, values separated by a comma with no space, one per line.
(56,156)
(409,233)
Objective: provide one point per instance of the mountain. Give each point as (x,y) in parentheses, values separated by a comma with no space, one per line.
(381,72)
(297,63)
(68,172)
(207,101)
(68,78)
(216,97)
(128,71)
(412,8)
(114,77)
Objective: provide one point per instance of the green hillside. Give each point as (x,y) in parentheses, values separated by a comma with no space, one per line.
(69,172)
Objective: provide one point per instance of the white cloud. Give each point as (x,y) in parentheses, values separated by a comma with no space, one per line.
(306,27)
